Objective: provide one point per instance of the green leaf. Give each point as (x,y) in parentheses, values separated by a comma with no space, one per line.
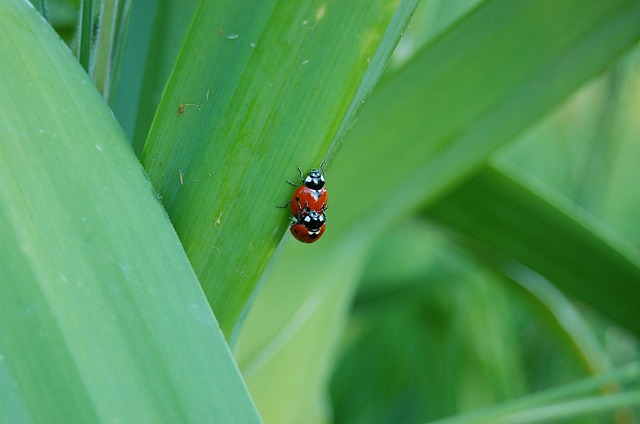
(86,21)
(466,95)
(266,89)
(286,346)
(106,43)
(548,235)
(102,316)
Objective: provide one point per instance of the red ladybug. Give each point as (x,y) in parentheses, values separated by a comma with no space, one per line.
(309,227)
(308,204)
(312,195)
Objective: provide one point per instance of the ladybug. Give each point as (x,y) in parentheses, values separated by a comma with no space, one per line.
(312,195)
(308,203)
(309,226)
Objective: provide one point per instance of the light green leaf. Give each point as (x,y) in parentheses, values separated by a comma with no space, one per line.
(102,318)
(287,344)
(467,94)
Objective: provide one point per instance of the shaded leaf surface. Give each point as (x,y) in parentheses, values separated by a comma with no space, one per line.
(498,211)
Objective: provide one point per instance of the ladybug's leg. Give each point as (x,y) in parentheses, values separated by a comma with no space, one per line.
(324,172)
(301,174)
(283,206)
(293,184)
(301,211)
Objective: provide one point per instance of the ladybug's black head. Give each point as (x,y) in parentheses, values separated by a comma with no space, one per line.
(314,220)
(315,180)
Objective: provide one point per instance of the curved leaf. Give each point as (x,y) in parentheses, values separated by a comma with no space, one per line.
(102,316)
(542,232)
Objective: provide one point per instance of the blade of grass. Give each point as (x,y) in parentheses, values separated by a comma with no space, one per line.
(86,18)
(106,44)
(561,315)
(102,316)
(546,234)
(589,407)
(560,397)
(257,90)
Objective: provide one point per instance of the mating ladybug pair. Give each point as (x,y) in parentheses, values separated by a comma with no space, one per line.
(308,204)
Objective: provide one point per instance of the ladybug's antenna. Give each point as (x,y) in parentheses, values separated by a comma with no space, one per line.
(324,172)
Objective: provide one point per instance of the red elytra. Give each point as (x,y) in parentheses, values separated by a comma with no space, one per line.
(303,234)
(306,199)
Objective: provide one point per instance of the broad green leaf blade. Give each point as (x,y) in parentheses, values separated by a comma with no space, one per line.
(102,317)
(541,232)
(468,94)
(258,89)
